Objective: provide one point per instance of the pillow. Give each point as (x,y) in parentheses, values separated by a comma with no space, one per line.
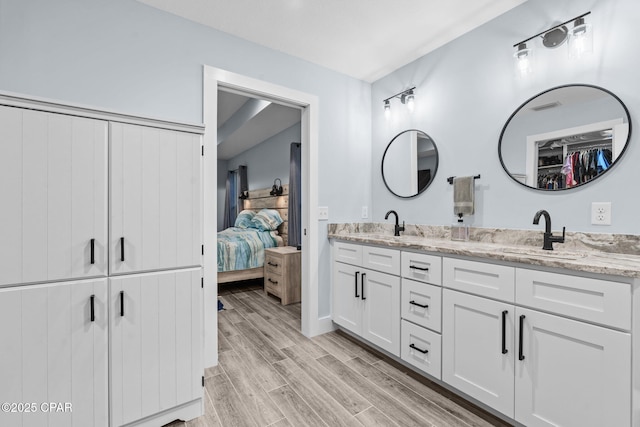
(266,220)
(244,219)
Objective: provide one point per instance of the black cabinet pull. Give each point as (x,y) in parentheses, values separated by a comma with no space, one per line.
(122,249)
(93,249)
(419,305)
(520,352)
(121,303)
(272,264)
(504,332)
(413,267)
(93,314)
(356,284)
(362,285)
(272,281)
(419,349)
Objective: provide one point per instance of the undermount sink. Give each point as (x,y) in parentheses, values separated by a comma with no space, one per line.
(539,253)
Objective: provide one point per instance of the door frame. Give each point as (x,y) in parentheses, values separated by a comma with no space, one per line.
(215,78)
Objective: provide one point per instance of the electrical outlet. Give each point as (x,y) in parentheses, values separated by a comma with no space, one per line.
(323,213)
(601,213)
(365,212)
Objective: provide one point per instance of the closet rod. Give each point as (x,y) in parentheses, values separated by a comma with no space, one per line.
(588,147)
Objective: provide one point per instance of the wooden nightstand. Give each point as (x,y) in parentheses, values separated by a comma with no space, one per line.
(282,274)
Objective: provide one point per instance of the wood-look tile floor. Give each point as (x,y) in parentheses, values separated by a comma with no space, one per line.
(269,374)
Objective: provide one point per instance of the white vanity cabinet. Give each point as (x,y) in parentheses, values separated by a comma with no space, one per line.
(366,301)
(154,199)
(542,369)
(54,349)
(53,221)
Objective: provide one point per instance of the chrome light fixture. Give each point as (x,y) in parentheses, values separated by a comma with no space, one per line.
(406,97)
(580,42)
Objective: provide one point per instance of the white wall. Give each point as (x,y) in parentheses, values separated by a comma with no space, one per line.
(466,91)
(126,56)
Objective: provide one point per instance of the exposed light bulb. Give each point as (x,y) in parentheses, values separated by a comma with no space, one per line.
(581,39)
(523,59)
(410,101)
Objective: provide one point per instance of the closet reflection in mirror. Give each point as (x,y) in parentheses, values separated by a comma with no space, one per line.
(409,163)
(564,137)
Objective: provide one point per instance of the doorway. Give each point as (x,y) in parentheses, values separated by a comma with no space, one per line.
(215,79)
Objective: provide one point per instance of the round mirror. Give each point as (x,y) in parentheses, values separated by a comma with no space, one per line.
(564,137)
(409,163)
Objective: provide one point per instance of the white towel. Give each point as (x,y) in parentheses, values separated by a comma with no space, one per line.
(463,195)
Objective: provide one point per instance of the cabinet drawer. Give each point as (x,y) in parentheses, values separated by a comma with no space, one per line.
(415,296)
(348,253)
(484,279)
(594,300)
(422,267)
(381,259)
(273,284)
(422,348)
(273,263)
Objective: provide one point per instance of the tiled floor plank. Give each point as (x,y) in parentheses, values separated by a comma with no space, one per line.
(264,373)
(373,417)
(297,411)
(226,402)
(264,346)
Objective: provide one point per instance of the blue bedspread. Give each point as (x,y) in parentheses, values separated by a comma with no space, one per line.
(243,248)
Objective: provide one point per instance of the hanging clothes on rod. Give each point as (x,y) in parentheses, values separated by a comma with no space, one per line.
(584,164)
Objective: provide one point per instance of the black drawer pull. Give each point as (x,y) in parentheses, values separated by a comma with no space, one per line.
(504,332)
(272,281)
(121,303)
(413,267)
(357,274)
(93,314)
(520,351)
(122,249)
(272,264)
(418,349)
(419,305)
(93,247)
(362,283)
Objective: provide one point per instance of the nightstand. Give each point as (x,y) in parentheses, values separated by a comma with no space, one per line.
(282,275)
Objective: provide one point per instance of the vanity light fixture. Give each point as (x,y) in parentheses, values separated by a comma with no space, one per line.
(580,42)
(276,190)
(407,97)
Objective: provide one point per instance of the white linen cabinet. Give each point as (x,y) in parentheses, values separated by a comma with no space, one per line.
(54,349)
(53,221)
(154,199)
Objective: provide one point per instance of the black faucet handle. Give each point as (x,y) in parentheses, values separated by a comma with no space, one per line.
(558,239)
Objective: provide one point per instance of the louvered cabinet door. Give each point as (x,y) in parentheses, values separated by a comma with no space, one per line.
(55,349)
(154,199)
(53,223)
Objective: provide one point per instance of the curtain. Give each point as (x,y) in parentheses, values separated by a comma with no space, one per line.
(230,201)
(244,186)
(295,199)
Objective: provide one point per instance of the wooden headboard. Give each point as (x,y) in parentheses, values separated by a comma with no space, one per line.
(261,199)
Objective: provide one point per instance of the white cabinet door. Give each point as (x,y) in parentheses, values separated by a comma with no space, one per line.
(52,351)
(381,310)
(53,170)
(572,374)
(156,343)
(347,296)
(474,340)
(154,199)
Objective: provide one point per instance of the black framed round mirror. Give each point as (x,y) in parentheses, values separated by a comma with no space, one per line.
(564,137)
(409,163)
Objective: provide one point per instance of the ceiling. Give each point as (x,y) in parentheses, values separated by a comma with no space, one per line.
(365,39)
(242,125)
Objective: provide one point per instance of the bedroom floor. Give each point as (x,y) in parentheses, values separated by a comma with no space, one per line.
(269,374)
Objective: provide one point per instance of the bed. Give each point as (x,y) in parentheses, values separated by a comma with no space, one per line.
(240,251)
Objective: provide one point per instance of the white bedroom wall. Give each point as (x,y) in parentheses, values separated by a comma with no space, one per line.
(126,56)
(466,91)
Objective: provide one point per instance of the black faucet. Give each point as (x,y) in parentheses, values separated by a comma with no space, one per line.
(397,229)
(549,238)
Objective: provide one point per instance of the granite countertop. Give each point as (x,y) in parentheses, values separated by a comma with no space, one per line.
(567,257)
